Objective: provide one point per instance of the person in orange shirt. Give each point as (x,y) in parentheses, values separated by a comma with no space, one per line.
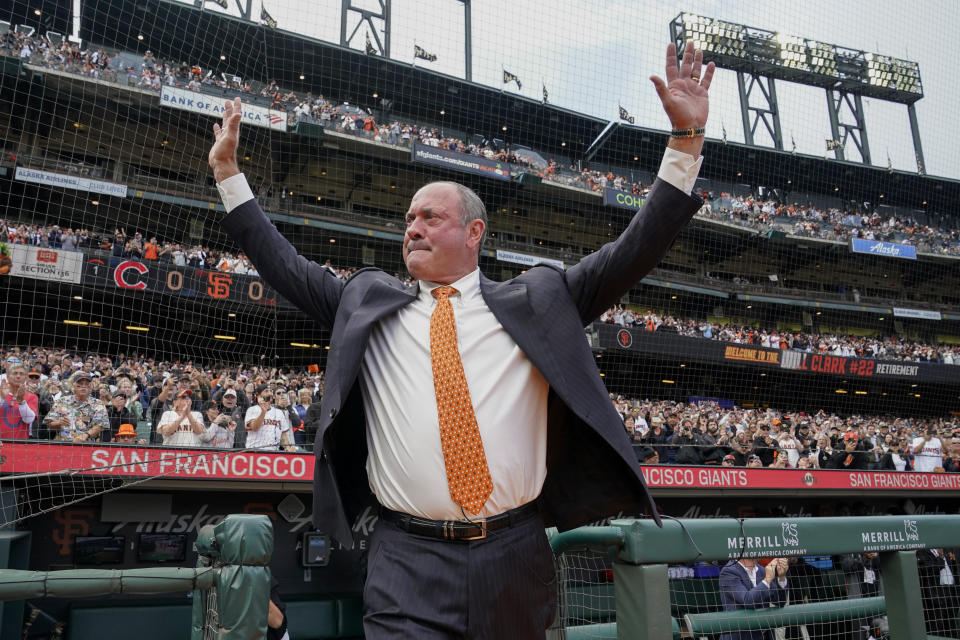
(150,250)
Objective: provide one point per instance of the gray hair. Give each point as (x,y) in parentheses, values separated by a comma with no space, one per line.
(471,206)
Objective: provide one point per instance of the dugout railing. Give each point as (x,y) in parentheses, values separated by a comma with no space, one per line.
(643,602)
(230,585)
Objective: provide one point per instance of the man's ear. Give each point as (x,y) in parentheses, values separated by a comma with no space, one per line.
(475,229)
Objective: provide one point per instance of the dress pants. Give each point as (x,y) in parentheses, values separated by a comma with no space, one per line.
(422,588)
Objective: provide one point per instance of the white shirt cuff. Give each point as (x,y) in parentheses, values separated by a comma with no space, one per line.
(234,191)
(679,169)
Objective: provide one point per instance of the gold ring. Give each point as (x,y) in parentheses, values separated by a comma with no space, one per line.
(695,78)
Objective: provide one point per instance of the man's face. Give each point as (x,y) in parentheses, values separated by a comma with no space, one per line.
(437,246)
(81,388)
(16,375)
(229,401)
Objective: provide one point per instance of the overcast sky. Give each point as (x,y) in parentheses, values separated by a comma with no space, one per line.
(594,54)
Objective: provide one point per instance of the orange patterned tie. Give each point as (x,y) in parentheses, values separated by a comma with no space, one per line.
(467,473)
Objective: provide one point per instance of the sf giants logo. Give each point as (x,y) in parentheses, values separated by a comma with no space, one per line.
(624,338)
(73,522)
(219,285)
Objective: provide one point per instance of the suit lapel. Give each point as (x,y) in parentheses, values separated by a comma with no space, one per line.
(382,298)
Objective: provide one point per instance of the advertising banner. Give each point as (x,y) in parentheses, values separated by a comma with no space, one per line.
(670,344)
(923,314)
(460,162)
(680,477)
(77,183)
(622,199)
(44,264)
(213,106)
(524,259)
(28,457)
(886,249)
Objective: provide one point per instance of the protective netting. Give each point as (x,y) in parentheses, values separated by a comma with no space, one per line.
(845,594)
(805,318)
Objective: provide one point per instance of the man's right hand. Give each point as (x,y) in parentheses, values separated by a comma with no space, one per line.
(223,153)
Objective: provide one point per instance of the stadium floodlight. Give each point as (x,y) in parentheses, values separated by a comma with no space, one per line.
(785,56)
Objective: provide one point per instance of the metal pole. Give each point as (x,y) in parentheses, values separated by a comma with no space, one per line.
(467,41)
(917,147)
(833,108)
(744,108)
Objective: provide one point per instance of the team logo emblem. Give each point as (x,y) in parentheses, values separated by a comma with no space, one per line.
(624,338)
(910,528)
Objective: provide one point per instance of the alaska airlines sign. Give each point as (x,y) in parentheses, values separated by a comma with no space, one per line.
(886,249)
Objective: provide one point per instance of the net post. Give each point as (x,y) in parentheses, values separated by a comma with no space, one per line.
(901,583)
(646,584)
(635,583)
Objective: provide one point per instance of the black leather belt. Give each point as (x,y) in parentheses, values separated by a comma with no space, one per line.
(458,529)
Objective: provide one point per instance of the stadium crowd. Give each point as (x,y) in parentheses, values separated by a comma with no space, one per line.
(829,223)
(748,211)
(132,398)
(848,346)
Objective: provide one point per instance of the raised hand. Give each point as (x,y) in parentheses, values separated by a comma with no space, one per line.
(684,93)
(223,153)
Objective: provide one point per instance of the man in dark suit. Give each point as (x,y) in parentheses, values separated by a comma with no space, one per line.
(472,410)
(746,585)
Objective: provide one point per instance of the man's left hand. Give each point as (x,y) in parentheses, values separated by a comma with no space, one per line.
(684,94)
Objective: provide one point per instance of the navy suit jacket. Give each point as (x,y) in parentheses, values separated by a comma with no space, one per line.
(737,592)
(592,471)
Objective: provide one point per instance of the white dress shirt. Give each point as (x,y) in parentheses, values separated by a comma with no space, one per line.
(405,464)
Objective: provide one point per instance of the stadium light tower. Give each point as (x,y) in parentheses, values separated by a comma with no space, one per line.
(377,46)
(760,56)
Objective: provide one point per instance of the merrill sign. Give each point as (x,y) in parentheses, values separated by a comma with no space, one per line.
(907,538)
(787,543)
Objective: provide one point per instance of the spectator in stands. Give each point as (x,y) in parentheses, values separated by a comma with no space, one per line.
(267,426)
(852,456)
(895,458)
(658,436)
(746,585)
(951,462)
(117,414)
(180,426)
(648,455)
(18,406)
(927,450)
(221,428)
(126,385)
(126,434)
(686,444)
(164,391)
(729,460)
(764,444)
(78,417)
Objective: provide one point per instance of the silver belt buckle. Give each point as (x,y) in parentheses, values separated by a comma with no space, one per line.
(483,530)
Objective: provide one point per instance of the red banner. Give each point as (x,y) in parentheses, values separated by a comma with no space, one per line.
(665,477)
(18,457)
(26,457)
